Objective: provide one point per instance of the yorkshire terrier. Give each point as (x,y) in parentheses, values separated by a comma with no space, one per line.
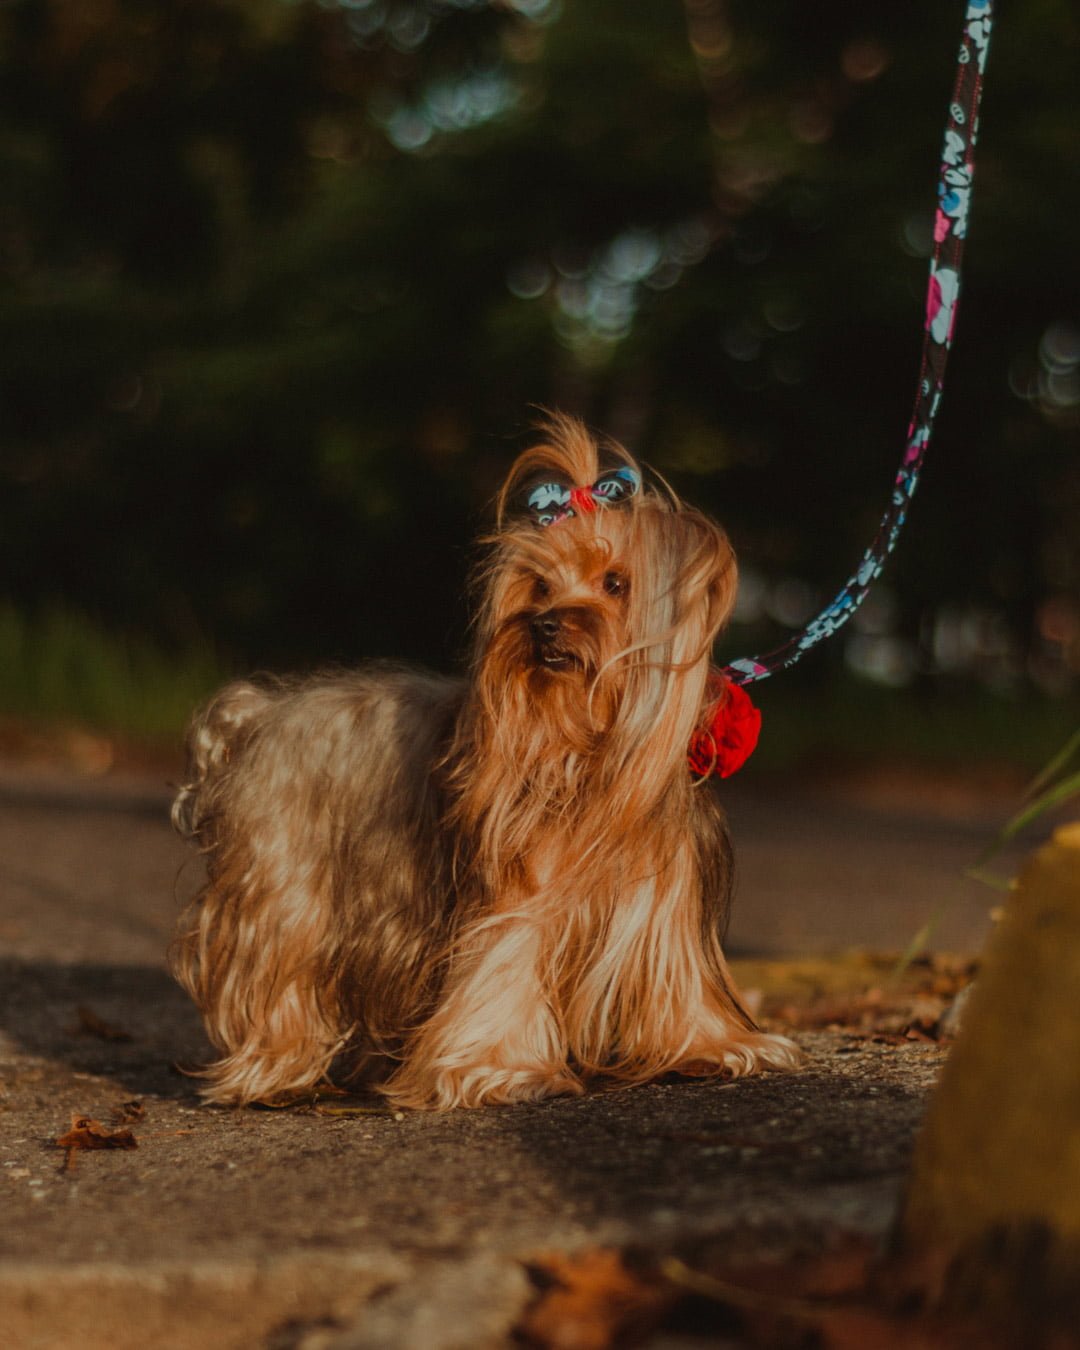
(497,889)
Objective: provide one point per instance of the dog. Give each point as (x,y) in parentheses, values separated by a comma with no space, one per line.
(495,889)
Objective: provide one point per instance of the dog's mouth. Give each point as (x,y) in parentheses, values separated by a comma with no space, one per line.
(556,659)
(559,640)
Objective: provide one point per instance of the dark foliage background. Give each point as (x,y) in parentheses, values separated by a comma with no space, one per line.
(281,280)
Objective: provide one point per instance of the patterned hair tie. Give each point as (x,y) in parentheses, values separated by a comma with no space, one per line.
(550,503)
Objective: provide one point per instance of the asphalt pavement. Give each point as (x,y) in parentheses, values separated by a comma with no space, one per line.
(355,1226)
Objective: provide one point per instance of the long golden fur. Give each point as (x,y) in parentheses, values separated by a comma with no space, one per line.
(491,890)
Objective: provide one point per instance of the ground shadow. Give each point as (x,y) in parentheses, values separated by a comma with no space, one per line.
(713,1148)
(131,1023)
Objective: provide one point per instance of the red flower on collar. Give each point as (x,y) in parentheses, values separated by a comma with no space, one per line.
(729,731)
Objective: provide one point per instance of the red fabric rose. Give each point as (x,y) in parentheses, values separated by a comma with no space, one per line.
(729,733)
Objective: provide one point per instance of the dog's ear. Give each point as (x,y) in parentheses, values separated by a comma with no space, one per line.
(709,573)
(723,581)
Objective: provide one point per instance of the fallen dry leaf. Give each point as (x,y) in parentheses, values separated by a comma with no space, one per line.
(127,1113)
(859,992)
(86,1133)
(90,1024)
(323,1110)
(327,1100)
(846,1298)
(836,1301)
(591,1301)
(294,1101)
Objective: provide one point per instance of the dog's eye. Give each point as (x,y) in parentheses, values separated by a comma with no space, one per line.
(541,588)
(615,583)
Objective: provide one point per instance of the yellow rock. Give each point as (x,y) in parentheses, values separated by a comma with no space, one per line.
(1000,1149)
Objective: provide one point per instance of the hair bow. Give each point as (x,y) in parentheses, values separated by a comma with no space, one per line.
(728,734)
(552,502)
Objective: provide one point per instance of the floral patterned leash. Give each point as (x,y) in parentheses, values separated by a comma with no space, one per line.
(950,230)
(729,730)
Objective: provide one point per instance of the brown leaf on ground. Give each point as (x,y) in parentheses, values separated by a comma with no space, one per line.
(844,1299)
(354,1109)
(860,993)
(591,1301)
(127,1113)
(86,1133)
(90,1024)
(799,1286)
(327,1100)
(860,1010)
(838,1301)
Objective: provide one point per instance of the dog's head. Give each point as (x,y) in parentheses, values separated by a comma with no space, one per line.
(603,596)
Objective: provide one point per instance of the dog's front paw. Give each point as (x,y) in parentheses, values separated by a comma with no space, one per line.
(484,1085)
(751,1053)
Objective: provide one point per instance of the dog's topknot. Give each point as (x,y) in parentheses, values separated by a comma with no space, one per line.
(567,452)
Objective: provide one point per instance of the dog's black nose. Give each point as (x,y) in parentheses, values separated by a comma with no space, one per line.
(544,627)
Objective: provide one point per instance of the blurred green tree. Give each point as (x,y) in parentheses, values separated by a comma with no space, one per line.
(280,280)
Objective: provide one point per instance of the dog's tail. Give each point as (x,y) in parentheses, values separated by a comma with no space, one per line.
(215,733)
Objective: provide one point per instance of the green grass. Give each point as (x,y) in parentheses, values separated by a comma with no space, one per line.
(61,667)
(849,721)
